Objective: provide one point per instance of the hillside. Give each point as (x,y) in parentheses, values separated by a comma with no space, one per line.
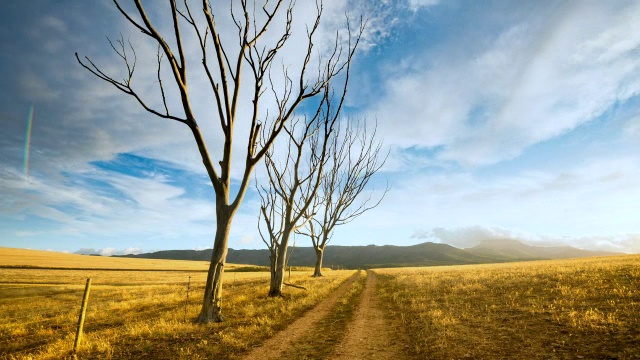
(515,250)
(372,256)
(351,257)
(39,259)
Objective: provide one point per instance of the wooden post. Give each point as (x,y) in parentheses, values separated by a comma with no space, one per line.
(83,311)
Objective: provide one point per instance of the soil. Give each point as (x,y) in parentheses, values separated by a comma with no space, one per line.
(370,336)
(275,347)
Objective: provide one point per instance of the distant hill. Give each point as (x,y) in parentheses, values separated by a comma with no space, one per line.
(11,258)
(372,256)
(514,250)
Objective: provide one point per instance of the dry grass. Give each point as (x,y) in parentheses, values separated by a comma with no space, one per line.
(136,314)
(583,308)
(586,308)
(48,259)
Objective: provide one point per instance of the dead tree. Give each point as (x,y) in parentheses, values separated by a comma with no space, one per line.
(353,158)
(292,184)
(228,66)
(294,181)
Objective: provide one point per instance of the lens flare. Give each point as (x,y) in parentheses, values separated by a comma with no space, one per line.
(27,143)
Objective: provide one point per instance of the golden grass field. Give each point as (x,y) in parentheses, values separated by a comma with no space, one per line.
(135,314)
(567,309)
(22,257)
(564,309)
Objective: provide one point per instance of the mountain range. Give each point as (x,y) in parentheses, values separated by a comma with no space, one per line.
(373,256)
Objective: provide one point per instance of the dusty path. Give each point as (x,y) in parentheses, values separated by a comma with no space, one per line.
(369,336)
(273,348)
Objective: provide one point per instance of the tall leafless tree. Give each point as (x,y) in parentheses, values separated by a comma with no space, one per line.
(245,64)
(353,158)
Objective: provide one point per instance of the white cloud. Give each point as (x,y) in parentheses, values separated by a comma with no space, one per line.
(86,251)
(587,198)
(632,128)
(152,209)
(418,4)
(37,88)
(109,251)
(536,80)
(246,240)
(466,237)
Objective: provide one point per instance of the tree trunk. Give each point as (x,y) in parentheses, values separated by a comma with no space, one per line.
(277,280)
(319,254)
(273,260)
(277,275)
(212,303)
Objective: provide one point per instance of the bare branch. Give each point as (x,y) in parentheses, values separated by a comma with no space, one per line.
(176,29)
(164,99)
(125,87)
(354,158)
(202,40)
(225,74)
(223,64)
(143,30)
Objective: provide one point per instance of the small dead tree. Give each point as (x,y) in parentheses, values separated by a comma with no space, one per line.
(294,181)
(245,63)
(353,158)
(292,185)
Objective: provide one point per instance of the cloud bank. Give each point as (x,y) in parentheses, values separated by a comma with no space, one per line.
(471,236)
(109,251)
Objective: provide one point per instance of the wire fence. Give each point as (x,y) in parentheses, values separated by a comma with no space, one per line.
(40,319)
(29,332)
(37,296)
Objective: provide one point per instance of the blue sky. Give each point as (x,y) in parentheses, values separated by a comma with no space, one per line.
(502,119)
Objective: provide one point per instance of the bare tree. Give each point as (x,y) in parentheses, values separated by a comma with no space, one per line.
(226,74)
(354,157)
(294,181)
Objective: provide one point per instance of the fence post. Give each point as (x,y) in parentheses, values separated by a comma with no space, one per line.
(187,302)
(83,311)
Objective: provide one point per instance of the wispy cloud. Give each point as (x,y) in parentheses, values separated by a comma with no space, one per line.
(593,196)
(536,79)
(466,237)
(108,251)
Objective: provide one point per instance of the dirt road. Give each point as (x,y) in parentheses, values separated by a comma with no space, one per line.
(369,335)
(275,347)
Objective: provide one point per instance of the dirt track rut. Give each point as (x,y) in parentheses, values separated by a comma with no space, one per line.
(369,335)
(276,346)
